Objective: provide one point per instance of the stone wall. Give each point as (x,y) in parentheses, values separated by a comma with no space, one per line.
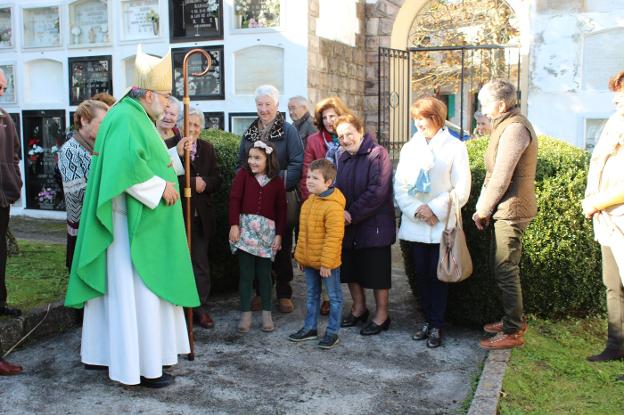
(335,68)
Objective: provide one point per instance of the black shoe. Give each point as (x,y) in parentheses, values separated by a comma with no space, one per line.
(157,383)
(620,378)
(606,356)
(329,341)
(351,320)
(435,338)
(95,367)
(373,328)
(7,311)
(303,335)
(422,332)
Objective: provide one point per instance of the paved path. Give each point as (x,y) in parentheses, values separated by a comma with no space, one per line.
(264,373)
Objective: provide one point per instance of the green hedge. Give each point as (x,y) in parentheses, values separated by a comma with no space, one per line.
(223,265)
(560,263)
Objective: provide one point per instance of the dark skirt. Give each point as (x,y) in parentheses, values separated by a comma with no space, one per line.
(369,267)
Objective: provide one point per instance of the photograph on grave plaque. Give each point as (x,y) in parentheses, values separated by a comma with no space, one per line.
(207,87)
(6,28)
(44,134)
(41,27)
(89,76)
(88,23)
(214,120)
(256,14)
(191,20)
(140,19)
(9,96)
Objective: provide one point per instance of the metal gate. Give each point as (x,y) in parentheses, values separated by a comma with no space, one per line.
(452,73)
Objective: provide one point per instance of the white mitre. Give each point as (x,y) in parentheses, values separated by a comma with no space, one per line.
(153,73)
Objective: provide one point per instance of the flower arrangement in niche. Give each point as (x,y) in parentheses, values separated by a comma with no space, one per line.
(257,13)
(34,150)
(5,36)
(153,17)
(46,196)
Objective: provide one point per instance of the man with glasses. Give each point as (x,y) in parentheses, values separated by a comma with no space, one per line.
(10,189)
(132,269)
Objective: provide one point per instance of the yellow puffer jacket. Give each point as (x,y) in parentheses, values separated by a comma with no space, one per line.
(321,229)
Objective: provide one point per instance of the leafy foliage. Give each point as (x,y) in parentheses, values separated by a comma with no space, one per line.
(223,265)
(560,265)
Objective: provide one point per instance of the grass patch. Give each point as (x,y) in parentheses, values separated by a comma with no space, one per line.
(551,376)
(37,275)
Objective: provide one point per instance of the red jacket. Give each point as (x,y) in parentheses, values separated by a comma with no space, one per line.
(315,149)
(247,196)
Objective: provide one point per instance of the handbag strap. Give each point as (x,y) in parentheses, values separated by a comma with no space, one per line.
(453,202)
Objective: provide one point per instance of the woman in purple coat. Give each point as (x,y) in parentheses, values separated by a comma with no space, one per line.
(365,178)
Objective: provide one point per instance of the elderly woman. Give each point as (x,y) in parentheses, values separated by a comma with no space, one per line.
(74,160)
(604,203)
(205,180)
(270,126)
(432,165)
(365,178)
(166,124)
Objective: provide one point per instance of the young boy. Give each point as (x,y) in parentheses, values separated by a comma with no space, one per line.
(321,229)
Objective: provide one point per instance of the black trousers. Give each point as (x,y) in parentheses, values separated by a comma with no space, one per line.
(4,226)
(433,293)
(283,266)
(200,244)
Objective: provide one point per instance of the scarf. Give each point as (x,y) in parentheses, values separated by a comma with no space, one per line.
(272,132)
(423,157)
(85,142)
(332,145)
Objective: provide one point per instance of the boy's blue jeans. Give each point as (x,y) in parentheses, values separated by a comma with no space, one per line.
(334,291)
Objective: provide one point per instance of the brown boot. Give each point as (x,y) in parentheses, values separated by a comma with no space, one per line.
(256,303)
(503,341)
(286,305)
(497,327)
(245,322)
(267,321)
(325,308)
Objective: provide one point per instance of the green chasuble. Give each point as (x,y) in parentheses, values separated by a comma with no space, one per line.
(129,151)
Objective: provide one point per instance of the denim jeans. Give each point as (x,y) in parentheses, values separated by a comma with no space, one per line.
(334,291)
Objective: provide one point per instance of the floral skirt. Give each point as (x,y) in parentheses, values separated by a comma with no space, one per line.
(256,236)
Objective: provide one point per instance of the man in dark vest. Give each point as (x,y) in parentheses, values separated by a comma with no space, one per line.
(302,120)
(507,197)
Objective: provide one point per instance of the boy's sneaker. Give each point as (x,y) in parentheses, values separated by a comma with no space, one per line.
(303,335)
(329,341)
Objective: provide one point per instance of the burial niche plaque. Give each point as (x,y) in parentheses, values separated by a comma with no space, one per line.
(44,134)
(209,86)
(6,28)
(88,23)
(89,76)
(140,19)
(192,20)
(41,27)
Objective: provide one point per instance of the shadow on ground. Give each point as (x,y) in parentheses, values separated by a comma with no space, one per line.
(264,373)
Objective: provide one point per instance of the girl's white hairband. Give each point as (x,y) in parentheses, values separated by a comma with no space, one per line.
(267,149)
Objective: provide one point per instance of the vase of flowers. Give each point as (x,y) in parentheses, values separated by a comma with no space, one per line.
(152,16)
(46,198)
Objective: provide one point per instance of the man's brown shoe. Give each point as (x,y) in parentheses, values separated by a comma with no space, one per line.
(205,321)
(497,327)
(325,308)
(256,303)
(286,305)
(503,341)
(9,369)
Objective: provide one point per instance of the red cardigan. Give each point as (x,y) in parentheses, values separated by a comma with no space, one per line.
(247,196)
(315,149)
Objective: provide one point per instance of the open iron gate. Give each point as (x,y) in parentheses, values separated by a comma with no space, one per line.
(453,73)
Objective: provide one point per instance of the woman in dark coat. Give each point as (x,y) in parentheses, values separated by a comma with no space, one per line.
(365,178)
(205,180)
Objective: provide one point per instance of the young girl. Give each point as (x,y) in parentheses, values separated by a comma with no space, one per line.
(257,218)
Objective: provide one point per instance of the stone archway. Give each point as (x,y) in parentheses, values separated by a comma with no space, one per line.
(388,25)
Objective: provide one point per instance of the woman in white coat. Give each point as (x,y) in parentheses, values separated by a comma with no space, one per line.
(431,165)
(604,204)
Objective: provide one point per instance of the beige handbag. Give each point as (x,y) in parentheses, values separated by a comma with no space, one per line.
(455,264)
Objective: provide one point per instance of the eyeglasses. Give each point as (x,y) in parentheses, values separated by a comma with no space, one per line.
(167,96)
(3,88)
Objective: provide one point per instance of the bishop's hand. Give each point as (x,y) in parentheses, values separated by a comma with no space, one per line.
(170,195)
